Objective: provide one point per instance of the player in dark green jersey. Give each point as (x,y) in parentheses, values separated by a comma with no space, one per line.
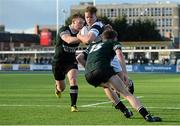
(64,62)
(99,72)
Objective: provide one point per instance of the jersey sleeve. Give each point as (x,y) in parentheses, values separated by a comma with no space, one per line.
(117,45)
(63,31)
(84,30)
(97,28)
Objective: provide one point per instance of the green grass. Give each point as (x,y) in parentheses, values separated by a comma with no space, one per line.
(28,99)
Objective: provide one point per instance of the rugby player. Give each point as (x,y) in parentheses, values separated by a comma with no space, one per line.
(99,72)
(64,61)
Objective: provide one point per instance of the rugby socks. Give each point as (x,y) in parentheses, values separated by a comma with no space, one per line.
(143,112)
(121,107)
(73,94)
(147,116)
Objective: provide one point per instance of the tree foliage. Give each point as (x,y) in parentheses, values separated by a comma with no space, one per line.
(143,31)
(120,25)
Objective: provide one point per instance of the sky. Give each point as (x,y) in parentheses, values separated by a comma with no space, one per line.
(25,14)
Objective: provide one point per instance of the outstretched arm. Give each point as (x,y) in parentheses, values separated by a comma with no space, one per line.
(81,59)
(70,39)
(87,39)
(122,63)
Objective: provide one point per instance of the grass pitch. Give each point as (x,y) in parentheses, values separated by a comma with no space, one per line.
(28,99)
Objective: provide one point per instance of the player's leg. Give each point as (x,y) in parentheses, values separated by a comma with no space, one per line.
(59,77)
(121,75)
(116,101)
(72,77)
(118,69)
(97,77)
(117,84)
(59,87)
(131,86)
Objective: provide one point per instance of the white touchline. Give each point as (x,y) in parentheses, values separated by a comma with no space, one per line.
(89,105)
(60,106)
(100,103)
(167,108)
(18,105)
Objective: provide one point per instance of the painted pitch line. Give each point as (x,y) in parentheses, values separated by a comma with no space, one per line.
(100,103)
(167,108)
(90,105)
(60,106)
(8,105)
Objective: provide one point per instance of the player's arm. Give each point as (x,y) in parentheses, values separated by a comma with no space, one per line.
(81,59)
(88,38)
(92,34)
(70,39)
(121,60)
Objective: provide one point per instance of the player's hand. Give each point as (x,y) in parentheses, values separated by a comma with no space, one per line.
(80,32)
(126,80)
(78,35)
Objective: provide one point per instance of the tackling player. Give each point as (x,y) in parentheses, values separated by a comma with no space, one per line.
(64,62)
(99,72)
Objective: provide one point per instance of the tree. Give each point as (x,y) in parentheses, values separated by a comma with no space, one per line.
(120,25)
(105,20)
(143,31)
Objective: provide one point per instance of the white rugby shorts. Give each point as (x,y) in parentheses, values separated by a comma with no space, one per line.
(116,65)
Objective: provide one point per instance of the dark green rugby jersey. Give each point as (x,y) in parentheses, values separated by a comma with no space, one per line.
(99,55)
(64,52)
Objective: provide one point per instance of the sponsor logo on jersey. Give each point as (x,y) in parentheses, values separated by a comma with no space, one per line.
(69,49)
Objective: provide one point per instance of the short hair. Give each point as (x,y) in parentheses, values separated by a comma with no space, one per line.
(91,9)
(76,15)
(109,34)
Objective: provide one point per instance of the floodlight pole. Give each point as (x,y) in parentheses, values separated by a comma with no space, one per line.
(94,2)
(179,39)
(57,17)
(64,11)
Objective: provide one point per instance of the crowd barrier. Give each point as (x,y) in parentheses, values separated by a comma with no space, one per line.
(155,68)
(25,67)
(130,68)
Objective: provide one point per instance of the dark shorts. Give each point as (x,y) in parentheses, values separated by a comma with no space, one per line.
(99,76)
(60,70)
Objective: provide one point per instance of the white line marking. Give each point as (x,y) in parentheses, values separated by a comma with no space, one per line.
(60,106)
(100,103)
(167,108)
(90,105)
(8,105)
